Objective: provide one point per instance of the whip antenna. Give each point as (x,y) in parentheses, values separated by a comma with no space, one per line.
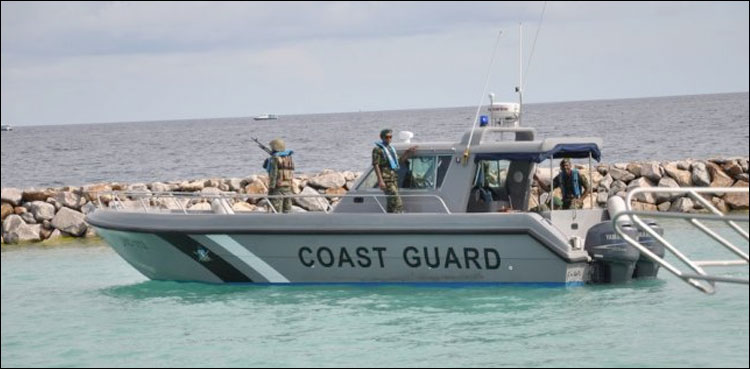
(481,97)
(531,56)
(521,80)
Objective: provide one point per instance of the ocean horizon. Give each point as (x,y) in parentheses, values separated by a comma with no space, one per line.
(638,129)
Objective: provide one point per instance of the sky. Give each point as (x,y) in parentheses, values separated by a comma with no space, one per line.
(96,62)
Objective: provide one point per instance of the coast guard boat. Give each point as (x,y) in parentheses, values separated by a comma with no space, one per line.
(467,220)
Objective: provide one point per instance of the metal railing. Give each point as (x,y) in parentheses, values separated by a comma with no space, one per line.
(700,279)
(145,199)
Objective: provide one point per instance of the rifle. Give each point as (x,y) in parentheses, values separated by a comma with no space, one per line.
(262,146)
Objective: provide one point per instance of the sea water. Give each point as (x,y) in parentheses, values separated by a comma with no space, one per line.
(78,304)
(81,305)
(665,128)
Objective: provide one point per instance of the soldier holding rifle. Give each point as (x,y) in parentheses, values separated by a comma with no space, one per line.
(280,168)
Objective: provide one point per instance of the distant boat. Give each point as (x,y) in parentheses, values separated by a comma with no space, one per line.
(6,127)
(266,117)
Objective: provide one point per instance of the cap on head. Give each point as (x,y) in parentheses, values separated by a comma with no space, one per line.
(384,132)
(277,145)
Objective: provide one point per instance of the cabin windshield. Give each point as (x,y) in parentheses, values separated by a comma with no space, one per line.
(421,172)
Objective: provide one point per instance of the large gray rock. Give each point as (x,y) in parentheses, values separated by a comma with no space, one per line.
(256,189)
(621,174)
(70,199)
(201,206)
(606,182)
(11,195)
(173,203)
(328,180)
(682,205)
(683,177)
(313,201)
(350,176)
(737,201)
(70,221)
(642,206)
(28,218)
(732,168)
(16,230)
(33,194)
(42,210)
(192,186)
(664,196)
(720,204)
(96,192)
(622,166)
(652,171)
(634,168)
(56,234)
(684,164)
(700,176)
(160,187)
(744,164)
(602,197)
(212,182)
(664,206)
(235,184)
(210,191)
(642,197)
(138,187)
(719,178)
(616,187)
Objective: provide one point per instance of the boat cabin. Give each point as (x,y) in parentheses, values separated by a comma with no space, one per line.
(497,177)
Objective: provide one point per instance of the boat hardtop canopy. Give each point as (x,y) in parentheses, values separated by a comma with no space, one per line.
(524,148)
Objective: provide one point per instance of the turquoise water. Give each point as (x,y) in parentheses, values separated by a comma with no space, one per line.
(80,305)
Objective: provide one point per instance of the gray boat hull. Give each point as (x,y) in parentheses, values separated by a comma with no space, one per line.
(343,248)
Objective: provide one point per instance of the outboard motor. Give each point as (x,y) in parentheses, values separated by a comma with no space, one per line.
(614,259)
(645,267)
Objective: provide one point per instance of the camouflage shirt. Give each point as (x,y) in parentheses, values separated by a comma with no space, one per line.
(380,160)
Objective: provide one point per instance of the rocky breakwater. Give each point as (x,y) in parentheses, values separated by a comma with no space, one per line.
(33,215)
(618,179)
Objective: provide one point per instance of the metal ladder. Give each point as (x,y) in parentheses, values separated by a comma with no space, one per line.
(701,280)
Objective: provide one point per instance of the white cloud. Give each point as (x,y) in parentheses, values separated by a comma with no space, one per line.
(124,61)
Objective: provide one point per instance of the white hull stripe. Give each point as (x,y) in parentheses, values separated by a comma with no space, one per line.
(247,257)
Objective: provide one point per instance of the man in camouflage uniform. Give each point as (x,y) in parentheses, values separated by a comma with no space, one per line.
(280,173)
(385,161)
(573,185)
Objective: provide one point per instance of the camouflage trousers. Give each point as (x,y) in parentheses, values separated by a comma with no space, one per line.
(281,204)
(394,200)
(572,203)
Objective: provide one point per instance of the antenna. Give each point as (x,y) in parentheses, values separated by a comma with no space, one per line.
(521,81)
(481,97)
(519,88)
